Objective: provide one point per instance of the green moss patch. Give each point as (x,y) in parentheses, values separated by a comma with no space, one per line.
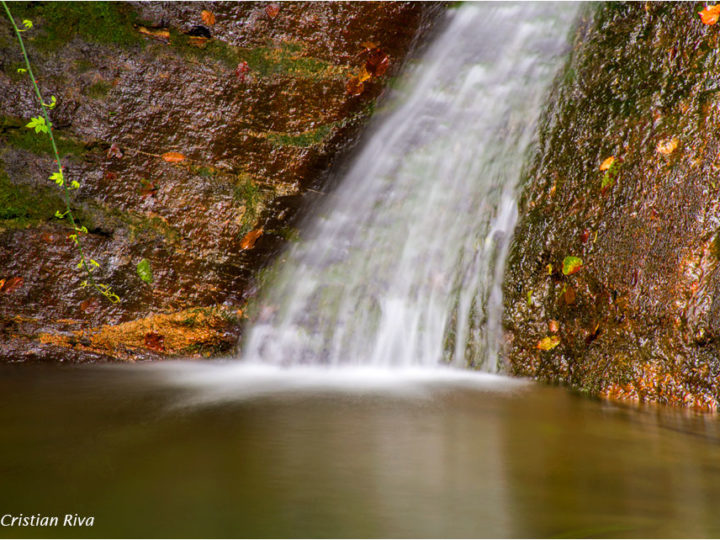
(284,60)
(98,90)
(213,49)
(39,144)
(246,193)
(304,139)
(56,23)
(22,206)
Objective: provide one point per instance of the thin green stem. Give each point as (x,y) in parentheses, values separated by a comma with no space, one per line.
(102,289)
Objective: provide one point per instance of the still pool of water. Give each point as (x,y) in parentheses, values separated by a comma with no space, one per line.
(184,450)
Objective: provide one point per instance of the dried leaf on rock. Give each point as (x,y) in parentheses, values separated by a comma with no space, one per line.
(710,14)
(548,343)
(11,284)
(571,265)
(272,10)
(605,165)
(208,17)
(114,151)
(173,157)
(354,87)
(364,75)
(90,305)
(369,45)
(155,341)
(667,146)
(163,34)
(198,41)
(248,242)
(377,63)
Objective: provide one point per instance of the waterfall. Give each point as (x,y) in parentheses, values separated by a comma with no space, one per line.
(402,265)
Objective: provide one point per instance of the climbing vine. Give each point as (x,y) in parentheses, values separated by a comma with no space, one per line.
(42,124)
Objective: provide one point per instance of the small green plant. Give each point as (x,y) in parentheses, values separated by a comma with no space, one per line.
(42,125)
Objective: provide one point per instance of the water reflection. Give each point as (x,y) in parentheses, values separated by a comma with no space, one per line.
(455,461)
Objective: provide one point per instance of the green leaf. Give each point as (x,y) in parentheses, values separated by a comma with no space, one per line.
(571,265)
(74,184)
(59,215)
(27,23)
(94,263)
(58,178)
(145,271)
(53,102)
(38,123)
(80,264)
(21,70)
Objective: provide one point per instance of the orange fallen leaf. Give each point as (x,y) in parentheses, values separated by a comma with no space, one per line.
(163,34)
(547,343)
(667,146)
(173,157)
(354,87)
(710,14)
(605,165)
(198,41)
(208,17)
(155,341)
(248,242)
(553,326)
(272,10)
(11,284)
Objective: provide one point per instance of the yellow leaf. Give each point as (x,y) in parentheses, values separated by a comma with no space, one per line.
(710,14)
(547,343)
(208,17)
(173,157)
(605,165)
(162,34)
(364,75)
(667,146)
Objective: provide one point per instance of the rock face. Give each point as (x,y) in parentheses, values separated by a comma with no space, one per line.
(258,98)
(640,320)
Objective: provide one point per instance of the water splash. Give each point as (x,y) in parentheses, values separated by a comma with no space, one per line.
(403,264)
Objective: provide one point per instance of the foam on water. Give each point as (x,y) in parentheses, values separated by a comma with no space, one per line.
(217,382)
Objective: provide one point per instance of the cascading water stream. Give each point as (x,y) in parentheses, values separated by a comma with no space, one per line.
(403,264)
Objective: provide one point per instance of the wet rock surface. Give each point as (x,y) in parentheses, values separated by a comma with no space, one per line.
(639,320)
(258,104)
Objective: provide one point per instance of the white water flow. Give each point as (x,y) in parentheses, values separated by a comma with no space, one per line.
(403,264)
